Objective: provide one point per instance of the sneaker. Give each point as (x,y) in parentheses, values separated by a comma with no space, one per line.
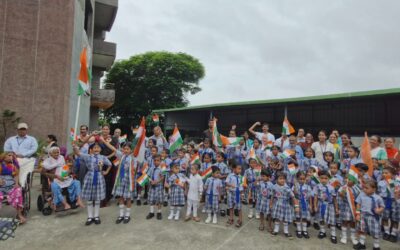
(165,204)
(159,216)
(138,202)
(250,216)
(386,236)
(321,235)
(222,213)
(208,220)
(89,222)
(393,238)
(127,219)
(359,246)
(97,221)
(214,221)
(299,234)
(171,216)
(305,235)
(257,216)
(334,239)
(149,216)
(316,226)
(177,216)
(119,220)
(343,240)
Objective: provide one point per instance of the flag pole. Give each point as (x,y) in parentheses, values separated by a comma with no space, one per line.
(285,110)
(78,108)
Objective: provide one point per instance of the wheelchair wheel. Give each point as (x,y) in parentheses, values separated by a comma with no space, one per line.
(47,211)
(40,203)
(27,196)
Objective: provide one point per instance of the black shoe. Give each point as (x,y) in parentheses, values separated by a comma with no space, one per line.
(308,224)
(359,246)
(119,220)
(127,219)
(138,202)
(393,238)
(339,226)
(386,236)
(145,202)
(89,222)
(97,221)
(236,212)
(305,235)
(274,233)
(316,226)
(145,196)
(376,248)
(222,213)
(333,239)
(149,216)
(299,234)
(321,235)
(165,203)
(159,216)
(289,236)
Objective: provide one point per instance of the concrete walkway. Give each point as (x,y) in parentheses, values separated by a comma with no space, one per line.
(67,231)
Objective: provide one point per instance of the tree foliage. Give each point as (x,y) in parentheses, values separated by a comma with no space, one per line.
(149,81)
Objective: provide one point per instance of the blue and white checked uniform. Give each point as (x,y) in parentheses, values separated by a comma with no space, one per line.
(386,192)
(224,170)
(94,186)
(282,208)
(233,192)
(204,166)
(370,221)
(183,164)
(202,151)
(212,187)
(259,153)
(303,193)
(156,192)
(326,207)
(347,163)
(123,188)
(264,197)
(177,192)
(251,177)
(306,163)
(344,205)
(297,149)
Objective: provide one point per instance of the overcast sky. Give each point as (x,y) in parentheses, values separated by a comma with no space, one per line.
(258,49)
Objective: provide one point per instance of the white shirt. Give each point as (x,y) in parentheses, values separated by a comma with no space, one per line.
(281,145)
(321,149)
(260,135)
(195,187)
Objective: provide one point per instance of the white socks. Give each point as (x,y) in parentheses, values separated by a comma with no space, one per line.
(394,231)
(376,243)
(152,209)
(121,210)
(387,229)
(128,212)
(298,225)
(344,232)
(90,209)
(276,227)
(96,209)
(304,226)
(322,228)
(333,231)
(285,227)
(362,239)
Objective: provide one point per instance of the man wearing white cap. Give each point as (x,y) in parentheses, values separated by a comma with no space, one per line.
(22,145)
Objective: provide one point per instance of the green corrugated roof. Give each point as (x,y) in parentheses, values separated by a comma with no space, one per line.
(288,100)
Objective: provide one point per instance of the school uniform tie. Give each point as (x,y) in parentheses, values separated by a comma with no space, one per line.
(211,195)
(122,167)
(388,199)
(323,205)
(96,170)
(302,199)
(237,192)
(373,206)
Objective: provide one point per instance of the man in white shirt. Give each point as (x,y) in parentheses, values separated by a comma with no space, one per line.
(22,145)
(265,131)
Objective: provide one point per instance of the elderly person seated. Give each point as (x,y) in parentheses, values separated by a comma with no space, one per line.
(55,168)
(9,185)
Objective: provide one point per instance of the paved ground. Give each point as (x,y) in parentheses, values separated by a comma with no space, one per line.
(67,231)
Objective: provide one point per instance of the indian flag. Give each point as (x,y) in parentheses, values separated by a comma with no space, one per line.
(122,138)
(257,170)
(233,141)
(216,138)
(163,167)
(155,118)
(72,135)
(253,155)
(353,174)
(64,171)
(138,143)
(287,153)
(292,169)
(351,201)
(315,178)
(145,167)
(116,162)
(84,74)
(287,127)
(195,159)
(243,181)
(175,140)
(335,183)
(207,173)
(143,179)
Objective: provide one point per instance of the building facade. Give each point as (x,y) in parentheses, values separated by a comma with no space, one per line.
(40,46)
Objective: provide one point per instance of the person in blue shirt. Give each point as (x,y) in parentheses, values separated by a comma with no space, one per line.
(294,146)
(22,145)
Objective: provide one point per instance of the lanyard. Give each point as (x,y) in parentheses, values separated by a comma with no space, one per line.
(22,141)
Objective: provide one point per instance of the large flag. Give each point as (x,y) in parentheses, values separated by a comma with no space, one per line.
(287,128)
(138,144)
(366,154)
(175,141)
(353,174)
(226,141)
(216,138)
(84,74)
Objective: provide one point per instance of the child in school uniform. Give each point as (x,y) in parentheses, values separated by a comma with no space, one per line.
(303,194)
(234,190)
(182,161)
(206,162)
(224,172)
(213,188)
(308,160)
(370,207)
(352,152)
(165,162)
(265,187)
(386,188)
(347,195)
(336,181)
(176,184)
(146,167)
(252,178)
(194,193)
(328,159)
(156,189)
(94,187)
(206,149)
(281,205)
(325,204)
(124,185)
(274,155)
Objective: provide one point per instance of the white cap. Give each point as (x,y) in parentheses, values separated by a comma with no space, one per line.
(22,125)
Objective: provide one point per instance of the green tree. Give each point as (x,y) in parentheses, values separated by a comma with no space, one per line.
(150,81)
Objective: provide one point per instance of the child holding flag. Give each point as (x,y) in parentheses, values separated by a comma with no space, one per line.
(194,193)
(308,160)
(225,171)
(264,197)
(124,185)
(176,184)
(156,190)
(252,177)
(234,187)
(303,194)
(213,188)
(165,169)
(181,161)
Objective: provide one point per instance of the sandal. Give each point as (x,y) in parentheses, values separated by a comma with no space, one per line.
(261,227)
(229,222)
(238,224)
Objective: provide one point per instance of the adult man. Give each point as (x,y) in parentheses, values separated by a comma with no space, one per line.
(293,146)
(22,145)
(301,136)
(209,132)
(159,139)
(265,132)
(84,139)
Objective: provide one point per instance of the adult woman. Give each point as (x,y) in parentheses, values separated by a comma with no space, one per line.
(322,146)
(346,144)
(333,139)
(309,140)
(391,151)
(377,151)
(51,142)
